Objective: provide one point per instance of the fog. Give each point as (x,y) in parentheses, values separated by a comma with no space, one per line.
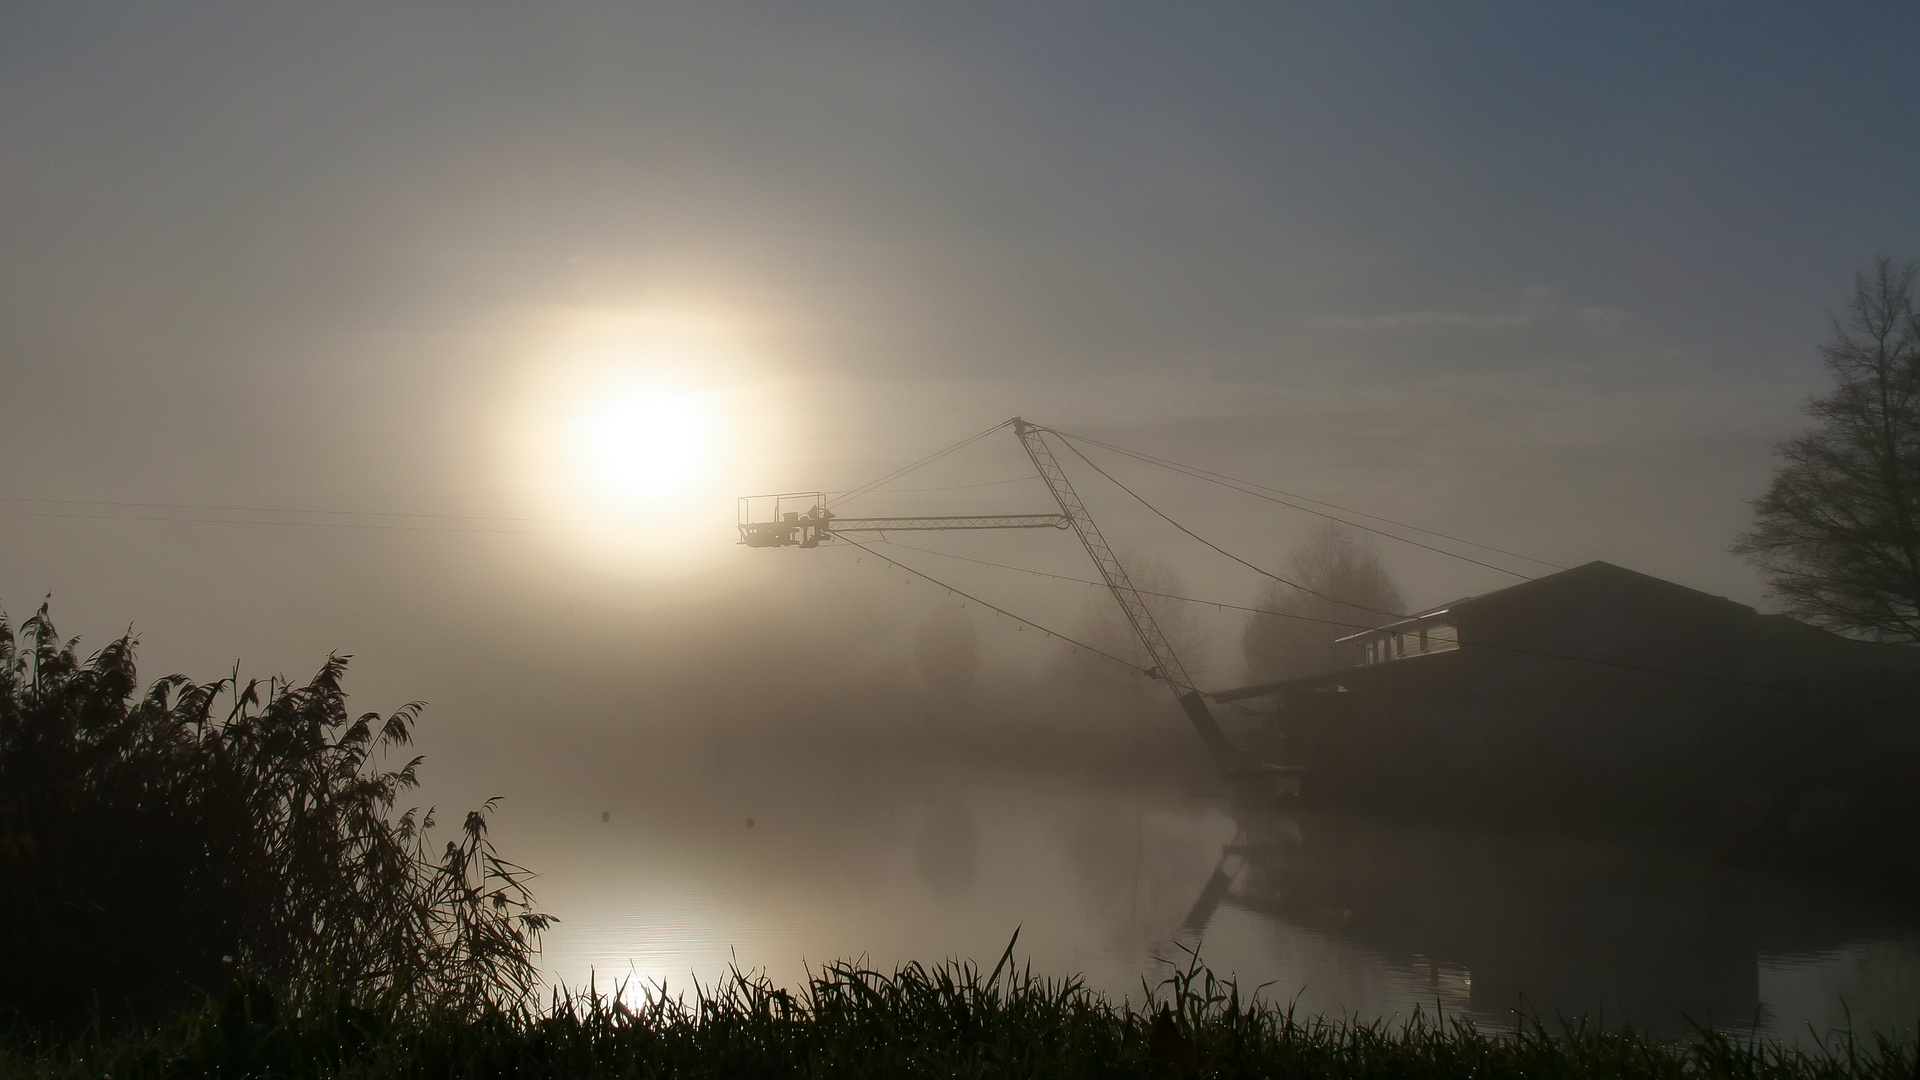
(307,317)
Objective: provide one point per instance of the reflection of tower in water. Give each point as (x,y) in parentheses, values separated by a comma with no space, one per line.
(1257,853)
(1135,867)
(1493,922)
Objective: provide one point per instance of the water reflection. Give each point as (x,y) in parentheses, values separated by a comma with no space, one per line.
(1342,914)
(1498,922)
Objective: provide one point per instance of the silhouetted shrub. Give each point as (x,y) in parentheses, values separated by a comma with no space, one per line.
(155,845)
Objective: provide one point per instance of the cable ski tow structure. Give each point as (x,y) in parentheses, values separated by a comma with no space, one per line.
(768,521)
(804,519)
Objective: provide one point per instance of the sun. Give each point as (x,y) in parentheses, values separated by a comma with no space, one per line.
(626,432)
(642,443)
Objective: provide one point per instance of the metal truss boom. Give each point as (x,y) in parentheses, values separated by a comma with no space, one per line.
(819,524)
(1166,663)
(929,524)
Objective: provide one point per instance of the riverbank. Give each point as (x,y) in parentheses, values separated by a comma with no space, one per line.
(947,1021)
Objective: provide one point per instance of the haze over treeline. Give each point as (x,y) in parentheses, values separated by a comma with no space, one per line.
(338,292)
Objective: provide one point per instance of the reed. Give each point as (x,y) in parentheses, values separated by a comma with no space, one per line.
(153,842)
(949,1020)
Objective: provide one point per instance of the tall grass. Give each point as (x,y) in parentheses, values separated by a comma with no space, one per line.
(154,843)
(949,1020)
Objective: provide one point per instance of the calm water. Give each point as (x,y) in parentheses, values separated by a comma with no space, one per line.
(1344,915)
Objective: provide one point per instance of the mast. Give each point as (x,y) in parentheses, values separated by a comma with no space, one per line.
(1166,663)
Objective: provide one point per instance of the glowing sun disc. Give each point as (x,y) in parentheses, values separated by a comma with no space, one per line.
(646,443)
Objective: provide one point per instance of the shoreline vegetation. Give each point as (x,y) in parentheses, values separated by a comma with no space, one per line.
(949,1020)
(199,835)
(156,842)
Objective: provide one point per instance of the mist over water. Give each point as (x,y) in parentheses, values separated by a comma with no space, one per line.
(925,807)
(808,756)
(778,866)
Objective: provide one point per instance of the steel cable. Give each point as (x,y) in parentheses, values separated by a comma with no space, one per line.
(1256,569)
(869,549)
(1245,487)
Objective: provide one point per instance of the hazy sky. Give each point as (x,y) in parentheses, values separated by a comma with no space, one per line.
(1551,277)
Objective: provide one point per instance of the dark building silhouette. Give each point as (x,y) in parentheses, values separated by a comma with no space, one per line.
(1607,696)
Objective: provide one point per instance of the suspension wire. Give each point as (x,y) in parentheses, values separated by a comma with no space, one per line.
(580,527)
(1143,592)
(1246,487)
(584,527)
(1463,645)
(287,510)
(1259,570)
(892,639)
(869,549)
(904,470)
(372,525)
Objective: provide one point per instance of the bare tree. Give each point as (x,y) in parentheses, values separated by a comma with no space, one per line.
(1346,589)
(1837,535)
(1106,627)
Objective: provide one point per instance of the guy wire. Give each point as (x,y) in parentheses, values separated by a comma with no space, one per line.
(869,548)
(1244,486)
(1221,550)
(902,471)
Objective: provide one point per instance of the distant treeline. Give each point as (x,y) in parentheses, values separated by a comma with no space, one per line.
(156,845)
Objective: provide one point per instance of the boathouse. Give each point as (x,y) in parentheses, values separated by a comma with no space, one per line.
(1603,691)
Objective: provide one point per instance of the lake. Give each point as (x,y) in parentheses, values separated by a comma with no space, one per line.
(1341,914)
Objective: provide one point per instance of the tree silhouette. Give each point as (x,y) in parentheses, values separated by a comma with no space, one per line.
(1347,589)
(1837,534)
(1104,626)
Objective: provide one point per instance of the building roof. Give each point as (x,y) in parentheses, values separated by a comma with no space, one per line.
(1573,591)
(1593,576)
(1606,615)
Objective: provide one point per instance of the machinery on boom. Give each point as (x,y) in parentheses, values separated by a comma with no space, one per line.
(766,521)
